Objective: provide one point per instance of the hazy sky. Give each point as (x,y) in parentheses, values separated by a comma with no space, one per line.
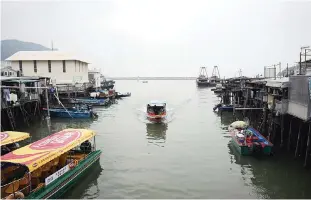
(165,38)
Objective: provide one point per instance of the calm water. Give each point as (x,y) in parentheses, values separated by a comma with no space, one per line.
(188,157)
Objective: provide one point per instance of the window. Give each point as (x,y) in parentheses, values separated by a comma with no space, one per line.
(35,66)
(10,73)
(6,73)
(20,66)
(49,66)
(2,73)
(64,66)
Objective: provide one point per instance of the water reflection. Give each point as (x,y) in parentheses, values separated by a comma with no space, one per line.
(87,186)
(41,130)
(272,177)
(156,132)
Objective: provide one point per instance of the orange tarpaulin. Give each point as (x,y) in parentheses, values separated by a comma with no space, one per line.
(43,151)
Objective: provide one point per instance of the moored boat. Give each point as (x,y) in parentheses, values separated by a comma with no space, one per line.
(91,101)
(10,139)
(202,80)
(71,112)
(249,141)
(223,107)
(120,95)
(156,111)
(48,167)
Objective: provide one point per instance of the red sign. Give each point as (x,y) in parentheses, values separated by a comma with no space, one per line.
(4,136)
(56,140)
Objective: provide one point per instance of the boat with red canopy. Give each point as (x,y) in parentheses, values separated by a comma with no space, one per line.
(156,111)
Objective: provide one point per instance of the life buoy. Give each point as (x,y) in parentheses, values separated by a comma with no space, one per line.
(73,164)
(76,162)
(16,195)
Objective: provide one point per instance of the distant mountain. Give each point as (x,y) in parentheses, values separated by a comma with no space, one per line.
(10,47)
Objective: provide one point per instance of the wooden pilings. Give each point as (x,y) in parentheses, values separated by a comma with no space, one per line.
(308,147)
(298,139)
(282,129)
(289,135)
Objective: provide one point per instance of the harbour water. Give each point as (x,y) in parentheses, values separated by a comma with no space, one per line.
(189,156)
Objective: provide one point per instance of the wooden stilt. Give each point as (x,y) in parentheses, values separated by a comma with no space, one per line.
(282,130)
(289,135)
(298,139)
(308,148)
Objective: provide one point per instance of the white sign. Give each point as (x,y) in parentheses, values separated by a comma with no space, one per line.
(56,175)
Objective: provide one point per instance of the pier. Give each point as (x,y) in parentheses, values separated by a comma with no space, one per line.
(277,106)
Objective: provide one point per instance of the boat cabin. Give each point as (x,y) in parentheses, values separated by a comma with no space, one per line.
(10,139)
(156,108)
(32,171)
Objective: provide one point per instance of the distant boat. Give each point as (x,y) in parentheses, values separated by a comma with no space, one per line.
(156,111)
(202,80)
(145,81)
(120,95)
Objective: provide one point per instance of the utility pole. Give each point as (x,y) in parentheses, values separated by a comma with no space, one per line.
(300,54)
(52,45)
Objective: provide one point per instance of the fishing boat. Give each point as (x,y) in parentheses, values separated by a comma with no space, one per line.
(72,112)
(49,167)
(218,89)
(120,95)
(10,139)
(156,111)
(247,140)
(202,80)
(223,107)
(104,94)
(90,101)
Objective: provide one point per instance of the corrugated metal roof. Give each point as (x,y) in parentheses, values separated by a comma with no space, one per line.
(43,55)
(278,82)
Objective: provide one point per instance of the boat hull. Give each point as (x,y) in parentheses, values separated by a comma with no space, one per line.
(226,108)
(158,118)
(203,84)
(93,102)
(69,179)
(58,113)
(247,150)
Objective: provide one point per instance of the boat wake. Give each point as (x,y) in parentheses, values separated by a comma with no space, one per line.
(170,112)
(142,115)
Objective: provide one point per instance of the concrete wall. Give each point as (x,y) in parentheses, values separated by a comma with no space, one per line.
(76,71)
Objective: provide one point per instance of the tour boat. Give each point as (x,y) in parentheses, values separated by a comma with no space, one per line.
(47,168)
(248,141)
(10,139)
(156,111)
